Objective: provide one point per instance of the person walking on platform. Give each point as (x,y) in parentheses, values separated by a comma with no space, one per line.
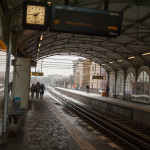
(107,90)
(87,88)
(42,88)
(32,91)
(37,89)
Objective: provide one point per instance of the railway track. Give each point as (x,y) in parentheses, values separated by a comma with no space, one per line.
(129,133)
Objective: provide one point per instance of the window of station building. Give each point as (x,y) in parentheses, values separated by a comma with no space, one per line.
(112,83)
(120,84)
(128,85)
(143,77)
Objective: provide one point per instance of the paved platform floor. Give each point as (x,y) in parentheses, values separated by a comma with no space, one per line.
(51,126)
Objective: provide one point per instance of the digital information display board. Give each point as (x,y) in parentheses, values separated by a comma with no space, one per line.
(99,77)
(37,73)
(86,21)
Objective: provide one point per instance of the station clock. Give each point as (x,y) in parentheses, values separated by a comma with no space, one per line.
(35,15)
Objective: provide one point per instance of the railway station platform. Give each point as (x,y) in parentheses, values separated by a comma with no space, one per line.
(135,111)
(50,126)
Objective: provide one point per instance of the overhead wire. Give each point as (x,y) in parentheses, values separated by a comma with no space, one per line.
(60,67)
(55,62)
(57,59)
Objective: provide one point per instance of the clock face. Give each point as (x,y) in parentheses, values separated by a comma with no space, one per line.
(35,15)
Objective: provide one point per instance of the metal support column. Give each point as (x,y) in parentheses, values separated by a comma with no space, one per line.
(149,83)
(106,4)
(100,72)
(35,71)
(95,74)
(6,92)
(7,84)
(41,65)
(115,83)
(108,73)
(136,74)
(66,2)
(125,75)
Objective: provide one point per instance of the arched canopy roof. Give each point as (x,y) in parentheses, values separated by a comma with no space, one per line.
(112,53)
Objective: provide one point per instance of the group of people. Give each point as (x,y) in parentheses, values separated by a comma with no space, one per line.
(38,89)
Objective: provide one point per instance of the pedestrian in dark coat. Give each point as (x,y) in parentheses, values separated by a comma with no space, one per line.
(37,89)
(42,89)
(32,91)
(107,90)
(87,88)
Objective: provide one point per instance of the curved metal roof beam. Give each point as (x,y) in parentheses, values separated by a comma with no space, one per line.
(93,50)
(70,43)
(45,53)
(82,55)
(92,44)
(74,43)
(76,38)
(140,56)
(131,2)
(118,54)
(71,54)
(123,45)
(73,35)
(36,43)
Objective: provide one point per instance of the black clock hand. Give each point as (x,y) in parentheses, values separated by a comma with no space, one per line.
(36,14)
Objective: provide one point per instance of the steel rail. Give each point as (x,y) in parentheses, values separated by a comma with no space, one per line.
(108,124)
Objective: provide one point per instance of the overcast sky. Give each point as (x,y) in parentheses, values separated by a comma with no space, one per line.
(62,65)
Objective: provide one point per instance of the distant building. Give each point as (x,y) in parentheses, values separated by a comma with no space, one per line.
(85,70)
(71,80)
(78,71)
(95,70)
(55,79)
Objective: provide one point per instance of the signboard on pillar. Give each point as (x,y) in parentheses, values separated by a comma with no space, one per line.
(99,77)
(37,73)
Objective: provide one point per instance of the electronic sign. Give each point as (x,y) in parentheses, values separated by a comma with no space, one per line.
(37,73)
(99,77)
(85,20)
